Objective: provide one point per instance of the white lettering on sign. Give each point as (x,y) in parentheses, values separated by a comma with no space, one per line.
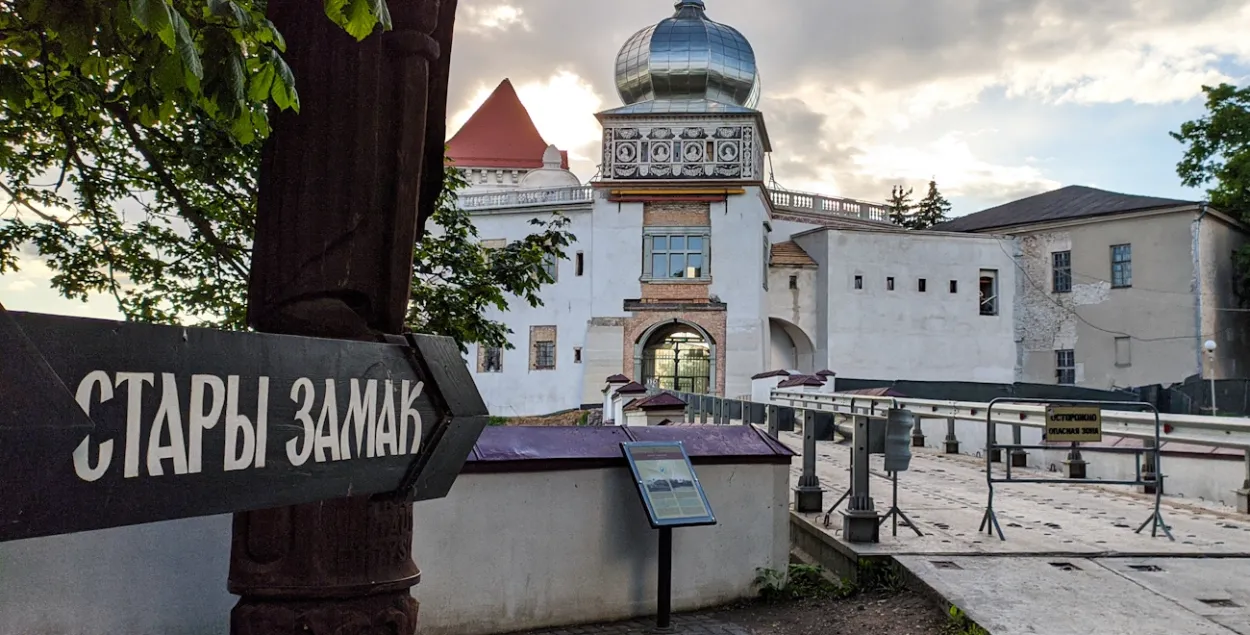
(170,440)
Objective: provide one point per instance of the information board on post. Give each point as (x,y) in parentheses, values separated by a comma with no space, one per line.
(1074,424)
(667,484)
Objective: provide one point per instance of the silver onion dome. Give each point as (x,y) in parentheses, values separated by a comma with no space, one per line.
(688,58)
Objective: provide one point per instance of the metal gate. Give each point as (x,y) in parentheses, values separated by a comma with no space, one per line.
(682,370)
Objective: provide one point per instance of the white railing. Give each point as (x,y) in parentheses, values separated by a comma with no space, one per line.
(1218,432)
(504,199)
(829,205)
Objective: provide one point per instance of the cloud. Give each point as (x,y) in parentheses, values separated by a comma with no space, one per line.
(483,19)
(20,284)
(850,86)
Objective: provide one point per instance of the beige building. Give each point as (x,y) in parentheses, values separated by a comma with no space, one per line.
(1116,290)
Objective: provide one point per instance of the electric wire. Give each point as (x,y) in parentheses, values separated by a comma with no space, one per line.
(1072,311)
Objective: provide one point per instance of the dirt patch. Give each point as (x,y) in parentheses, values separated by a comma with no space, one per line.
(906,613)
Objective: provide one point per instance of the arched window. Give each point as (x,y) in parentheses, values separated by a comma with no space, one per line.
(677,358)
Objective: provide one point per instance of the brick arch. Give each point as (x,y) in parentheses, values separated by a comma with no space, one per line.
(640,345)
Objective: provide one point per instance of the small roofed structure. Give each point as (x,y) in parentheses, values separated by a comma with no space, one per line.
(653,410)
(762,384)
(621,397)
(499,145)
(609,391)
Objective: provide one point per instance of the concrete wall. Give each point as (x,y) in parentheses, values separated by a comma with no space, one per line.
(877,333)
(1158,312)
(1230,329)
(738,269)
(503,552)
(518,390)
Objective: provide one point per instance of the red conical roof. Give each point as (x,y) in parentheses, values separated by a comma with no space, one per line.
(500,134)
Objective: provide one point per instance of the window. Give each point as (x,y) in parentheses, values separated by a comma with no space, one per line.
(1123,351)
(1065,367)
(577,355)
(954,286)
(921,284)
(859,282)
(542,347)
(1061,272)
(889,284)
(579,264)
(768,252)
(989,292)
(676,253)
(489,359)
(794,282)
(491,245)
(1121,266)
(550,265)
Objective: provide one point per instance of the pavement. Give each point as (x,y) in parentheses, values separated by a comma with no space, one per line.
(1071,563)
(693,624)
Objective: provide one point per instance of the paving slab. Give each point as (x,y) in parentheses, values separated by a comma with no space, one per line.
(945,495)
(1010,595)
(688,624)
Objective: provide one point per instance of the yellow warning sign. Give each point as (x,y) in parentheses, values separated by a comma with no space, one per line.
(1079,424)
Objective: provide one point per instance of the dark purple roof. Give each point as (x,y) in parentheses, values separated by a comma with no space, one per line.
(632,388)
(826,373)
(660,401)
(801,380)
(772,373)
(514,444)
(618,379)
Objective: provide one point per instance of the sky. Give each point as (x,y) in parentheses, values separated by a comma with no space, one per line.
(995,99)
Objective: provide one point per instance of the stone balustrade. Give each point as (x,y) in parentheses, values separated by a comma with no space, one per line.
(821,204)
(505,199)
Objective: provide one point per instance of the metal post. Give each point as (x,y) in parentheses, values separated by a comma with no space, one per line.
(723,418)
(1214,411)
(917,434)
(808,496)
(1148,472)
(1075,466)
(859,521)
(703,408)
(664,583)
(952,441)
(1019,458)
(1243,494)
(774,421)
(995,454)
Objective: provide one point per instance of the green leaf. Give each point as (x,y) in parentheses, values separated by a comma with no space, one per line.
(284,93)
(383,13)
(242,128)
(153,16)
(360,19)
(186,47)
(169,75)
(262,82)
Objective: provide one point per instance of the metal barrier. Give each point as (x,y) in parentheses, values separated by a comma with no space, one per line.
(989,522)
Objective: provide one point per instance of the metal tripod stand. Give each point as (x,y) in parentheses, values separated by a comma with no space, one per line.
(894,512)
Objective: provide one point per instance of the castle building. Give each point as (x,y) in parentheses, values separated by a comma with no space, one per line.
(688,272)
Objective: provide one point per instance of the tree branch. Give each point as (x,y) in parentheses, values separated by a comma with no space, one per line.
(188,211)
(18,200)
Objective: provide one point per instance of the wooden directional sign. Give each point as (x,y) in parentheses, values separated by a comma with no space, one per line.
(104,424)
(1074,424)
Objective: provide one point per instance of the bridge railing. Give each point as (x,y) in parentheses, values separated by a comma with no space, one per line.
(1218,432)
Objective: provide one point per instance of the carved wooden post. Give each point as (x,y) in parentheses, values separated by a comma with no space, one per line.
(345,186)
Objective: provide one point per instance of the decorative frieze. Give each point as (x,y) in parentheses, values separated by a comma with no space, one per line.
(681,150)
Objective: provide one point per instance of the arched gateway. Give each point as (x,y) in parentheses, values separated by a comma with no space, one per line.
(676,355)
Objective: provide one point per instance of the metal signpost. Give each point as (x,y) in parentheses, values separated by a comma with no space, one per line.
(673,497)
(1074,421)
(108,424)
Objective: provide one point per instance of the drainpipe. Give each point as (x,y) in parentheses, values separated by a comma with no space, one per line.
(1197,251)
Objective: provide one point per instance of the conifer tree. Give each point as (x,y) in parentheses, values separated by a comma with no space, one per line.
(931,210)
(900,206)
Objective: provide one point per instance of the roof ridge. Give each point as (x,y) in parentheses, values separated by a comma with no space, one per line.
(500,134)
